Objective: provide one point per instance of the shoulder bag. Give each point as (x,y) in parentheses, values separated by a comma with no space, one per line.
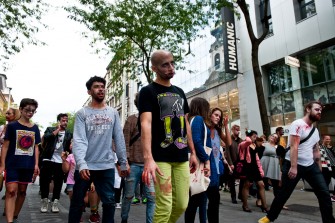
(198,181)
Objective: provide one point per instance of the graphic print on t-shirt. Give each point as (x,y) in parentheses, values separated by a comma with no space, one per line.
(25,143)
(98,123)
(172,105)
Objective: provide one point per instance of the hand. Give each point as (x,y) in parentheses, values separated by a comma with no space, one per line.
(193,163)
(124,173)
(36,173)
(85,174)
(92,188)
(149,171)
(64,155)
(2,169)
(292,173)
(225,120)
(207,168)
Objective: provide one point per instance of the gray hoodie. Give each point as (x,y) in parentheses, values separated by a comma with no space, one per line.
(94,132)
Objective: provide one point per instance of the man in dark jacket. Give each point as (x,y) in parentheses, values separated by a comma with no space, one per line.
(55,141)
(232,154)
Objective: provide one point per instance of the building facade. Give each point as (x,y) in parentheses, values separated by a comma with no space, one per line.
(303,29)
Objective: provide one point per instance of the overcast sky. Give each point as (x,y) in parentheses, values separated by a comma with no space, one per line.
(55,75)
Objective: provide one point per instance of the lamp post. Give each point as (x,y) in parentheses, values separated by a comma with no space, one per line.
(9,101)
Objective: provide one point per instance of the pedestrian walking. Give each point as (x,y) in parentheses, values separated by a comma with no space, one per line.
(303,161)
(96,127)
(232,155)
(56,140)
(19,157)
(166,140)
(132,138)
(199,119)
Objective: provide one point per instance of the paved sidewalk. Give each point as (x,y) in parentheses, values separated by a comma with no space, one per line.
(302,204)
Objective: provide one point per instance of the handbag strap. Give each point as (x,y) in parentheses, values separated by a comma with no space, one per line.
(309,136)
(205,133)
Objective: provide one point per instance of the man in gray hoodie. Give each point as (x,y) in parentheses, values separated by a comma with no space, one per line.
(96,127)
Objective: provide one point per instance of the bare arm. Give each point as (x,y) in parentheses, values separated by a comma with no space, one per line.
(193,157)
(294,144)
(317,155)
(150,166)
(65,163)
(4,151)
(226,137)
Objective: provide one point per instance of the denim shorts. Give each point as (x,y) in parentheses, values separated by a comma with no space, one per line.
(69,187)
(23,176)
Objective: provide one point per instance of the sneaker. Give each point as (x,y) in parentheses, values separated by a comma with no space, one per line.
(44,205)
(118,206)
(135,201)
(144,200)
(332,198)
(264,220)
(94,217)
(54,207)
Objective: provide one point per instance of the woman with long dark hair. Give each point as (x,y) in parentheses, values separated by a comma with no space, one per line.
(199,119)
(218,122)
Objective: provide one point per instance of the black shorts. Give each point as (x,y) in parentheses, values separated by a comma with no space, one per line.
(23,176)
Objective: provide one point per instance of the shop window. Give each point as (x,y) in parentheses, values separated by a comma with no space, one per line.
(329,62)
(228,103)
(306,8)
(331,92)
(277,120)
(289,118)
(280,79)
(313,68)
(288,102)
(267,17)
(276,105)
(317,93)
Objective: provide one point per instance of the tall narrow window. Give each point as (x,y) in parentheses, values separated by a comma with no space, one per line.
(307,8)
(266,17)
(217,61)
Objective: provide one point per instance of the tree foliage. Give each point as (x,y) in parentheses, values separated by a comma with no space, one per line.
(133,29)
(19,21)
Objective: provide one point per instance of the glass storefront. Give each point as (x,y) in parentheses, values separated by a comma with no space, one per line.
(228,102)
(290,88)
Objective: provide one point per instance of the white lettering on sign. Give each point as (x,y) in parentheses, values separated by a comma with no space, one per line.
(231,46)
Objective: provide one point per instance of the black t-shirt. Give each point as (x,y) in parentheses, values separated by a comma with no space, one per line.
(168,106)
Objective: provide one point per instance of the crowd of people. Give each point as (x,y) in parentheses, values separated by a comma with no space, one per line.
(160,146)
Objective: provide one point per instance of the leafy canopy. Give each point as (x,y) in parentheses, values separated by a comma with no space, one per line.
(133,29)
(19,21)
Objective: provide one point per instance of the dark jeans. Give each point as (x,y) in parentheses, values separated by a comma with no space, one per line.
(314,177)
(213,196)
(231,185)
(195,201)
(104,185)
(51,171)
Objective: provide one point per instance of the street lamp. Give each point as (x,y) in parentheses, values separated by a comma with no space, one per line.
(9,101)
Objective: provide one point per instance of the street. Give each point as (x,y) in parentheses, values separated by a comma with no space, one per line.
(303,208)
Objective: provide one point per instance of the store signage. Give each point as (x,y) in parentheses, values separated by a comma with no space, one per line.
(229,41)
(291,61)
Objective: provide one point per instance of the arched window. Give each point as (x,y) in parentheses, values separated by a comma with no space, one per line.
(217,61)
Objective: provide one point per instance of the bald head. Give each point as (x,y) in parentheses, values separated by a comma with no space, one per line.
(157,56)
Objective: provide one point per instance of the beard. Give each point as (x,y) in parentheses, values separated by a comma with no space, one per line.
(314,117)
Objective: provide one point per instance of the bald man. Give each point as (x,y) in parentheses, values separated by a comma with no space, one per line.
(166,140)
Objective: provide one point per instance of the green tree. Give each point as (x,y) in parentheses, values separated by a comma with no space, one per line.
(133,29)
(2,119)
(19,21)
